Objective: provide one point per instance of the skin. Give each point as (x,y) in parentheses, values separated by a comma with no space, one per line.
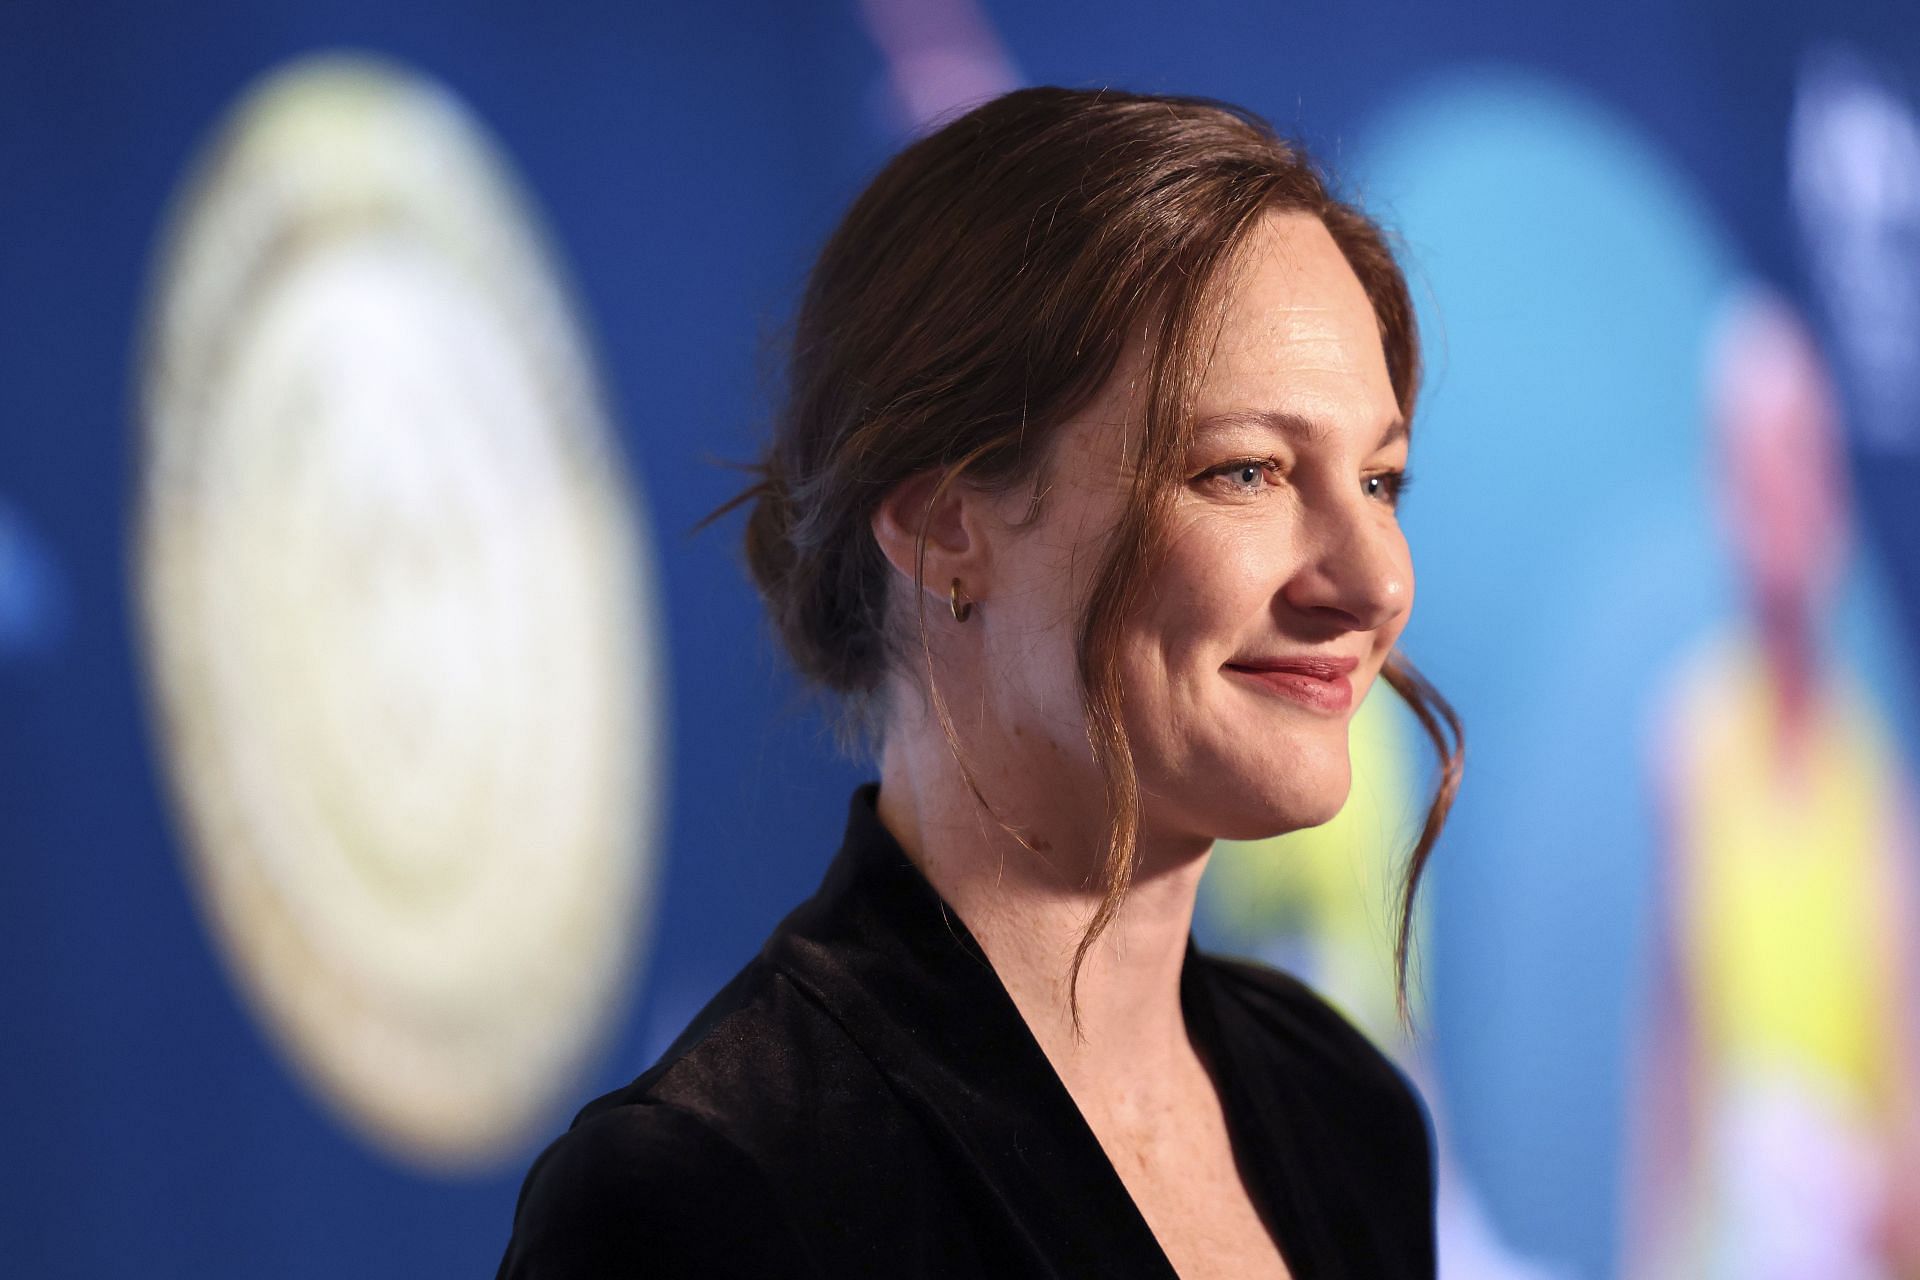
(1283,541)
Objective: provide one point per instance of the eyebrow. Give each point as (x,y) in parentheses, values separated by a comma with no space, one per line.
(1288,424)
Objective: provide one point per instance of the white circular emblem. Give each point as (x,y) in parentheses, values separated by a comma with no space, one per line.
(398,612)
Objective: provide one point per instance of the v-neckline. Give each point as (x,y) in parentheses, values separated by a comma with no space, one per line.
(1275,1197)
(898,969)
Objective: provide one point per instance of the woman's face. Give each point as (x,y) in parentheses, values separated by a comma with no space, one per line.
(1284,548)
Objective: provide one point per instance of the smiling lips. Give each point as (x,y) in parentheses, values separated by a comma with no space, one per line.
(1318,683)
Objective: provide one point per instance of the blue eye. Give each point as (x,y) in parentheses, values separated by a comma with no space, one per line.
(1243,475)
(1392,485)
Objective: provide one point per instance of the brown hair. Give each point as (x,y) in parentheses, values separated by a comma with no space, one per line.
(975,296)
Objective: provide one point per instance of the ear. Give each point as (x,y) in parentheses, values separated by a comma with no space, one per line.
(956,527)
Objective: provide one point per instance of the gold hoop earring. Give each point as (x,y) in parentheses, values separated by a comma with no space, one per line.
(962,609)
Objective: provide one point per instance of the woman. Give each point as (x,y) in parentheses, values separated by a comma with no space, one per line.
(1083,501)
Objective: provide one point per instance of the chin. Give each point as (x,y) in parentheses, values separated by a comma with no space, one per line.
(1292,801)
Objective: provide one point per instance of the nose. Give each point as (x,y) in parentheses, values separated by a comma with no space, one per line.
(1356,569)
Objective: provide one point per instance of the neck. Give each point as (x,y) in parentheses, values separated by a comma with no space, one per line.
(1029,907)
(1789,650)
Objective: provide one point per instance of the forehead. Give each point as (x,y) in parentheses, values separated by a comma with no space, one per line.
(1299,335)
(1299,348)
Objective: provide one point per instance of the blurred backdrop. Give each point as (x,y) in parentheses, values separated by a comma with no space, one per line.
(385,768)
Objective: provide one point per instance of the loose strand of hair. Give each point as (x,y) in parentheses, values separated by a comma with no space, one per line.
(1442,725)
(1113,754)
(1171,387)
(761,488)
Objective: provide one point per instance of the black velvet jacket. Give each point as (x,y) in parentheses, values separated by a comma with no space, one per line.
(864,1099)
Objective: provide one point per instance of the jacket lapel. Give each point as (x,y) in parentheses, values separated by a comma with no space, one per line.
(898,969)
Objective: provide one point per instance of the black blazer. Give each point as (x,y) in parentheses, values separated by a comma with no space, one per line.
(864,1099)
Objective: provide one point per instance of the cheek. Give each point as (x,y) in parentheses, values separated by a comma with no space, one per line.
(1204,605)
(1237,573)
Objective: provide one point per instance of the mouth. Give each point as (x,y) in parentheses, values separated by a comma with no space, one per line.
(1319,684)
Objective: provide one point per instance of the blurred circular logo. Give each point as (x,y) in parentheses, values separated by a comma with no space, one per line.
(398,611)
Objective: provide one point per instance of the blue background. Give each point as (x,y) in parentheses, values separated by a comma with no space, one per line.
(1576,189)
